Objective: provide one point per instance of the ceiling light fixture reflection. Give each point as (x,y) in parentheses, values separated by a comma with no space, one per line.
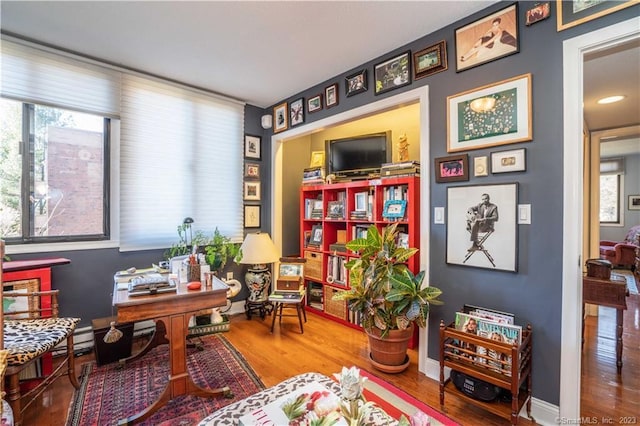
(485,104)
(611,99)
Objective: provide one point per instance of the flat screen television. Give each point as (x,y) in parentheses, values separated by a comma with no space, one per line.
(358,155)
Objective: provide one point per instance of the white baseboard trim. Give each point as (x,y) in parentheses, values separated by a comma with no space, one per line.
(543,412)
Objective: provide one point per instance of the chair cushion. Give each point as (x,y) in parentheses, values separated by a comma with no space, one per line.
(28,339)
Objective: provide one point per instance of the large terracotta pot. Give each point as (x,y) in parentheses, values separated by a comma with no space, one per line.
(389,354)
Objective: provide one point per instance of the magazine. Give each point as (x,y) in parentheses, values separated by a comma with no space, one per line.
(490,314)
(310,404)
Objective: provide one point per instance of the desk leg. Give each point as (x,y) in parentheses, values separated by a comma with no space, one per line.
(180,382)
(158,338)
(619,329)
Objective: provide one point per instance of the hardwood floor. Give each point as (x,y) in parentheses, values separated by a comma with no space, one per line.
(326,346)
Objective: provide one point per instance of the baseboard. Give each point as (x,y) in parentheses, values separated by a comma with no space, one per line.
(543,412)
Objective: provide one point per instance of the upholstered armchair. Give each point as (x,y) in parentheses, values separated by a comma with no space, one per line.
(622,253)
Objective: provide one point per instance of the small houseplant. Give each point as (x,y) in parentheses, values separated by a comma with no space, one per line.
(389,298)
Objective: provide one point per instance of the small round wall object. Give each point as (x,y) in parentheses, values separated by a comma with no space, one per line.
(194,285)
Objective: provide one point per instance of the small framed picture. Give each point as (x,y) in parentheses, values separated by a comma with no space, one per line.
(316,236)
(508,161)
(454,168)
(280,118)
(252,146)
(360,199)
(252,191)
(430,60)
(317,159)
(356,83)
(394,209)
(335,210)
(314,103)
(291,267)
(252,170)
(251,216)
(331,95)
(634,202)
(537,13)
(487,39)
(297,112)
(393,73)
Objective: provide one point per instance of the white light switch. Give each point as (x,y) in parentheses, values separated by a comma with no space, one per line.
(524,214)
(438,215)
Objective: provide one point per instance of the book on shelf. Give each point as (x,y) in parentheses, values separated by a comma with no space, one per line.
(336,269)
(310,404)
(313,173)
(400,165)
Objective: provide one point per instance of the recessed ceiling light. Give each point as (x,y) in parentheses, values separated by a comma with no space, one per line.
(611,99)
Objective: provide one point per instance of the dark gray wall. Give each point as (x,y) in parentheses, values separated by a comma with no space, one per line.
(534,293)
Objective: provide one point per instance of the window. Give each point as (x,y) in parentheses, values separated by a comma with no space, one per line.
(53,174)
(611,170)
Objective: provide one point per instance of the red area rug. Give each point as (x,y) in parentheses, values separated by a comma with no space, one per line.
(108,393)
(397,402)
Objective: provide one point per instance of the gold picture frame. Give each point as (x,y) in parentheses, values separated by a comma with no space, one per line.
(317,159)
(572,13)
(281,118)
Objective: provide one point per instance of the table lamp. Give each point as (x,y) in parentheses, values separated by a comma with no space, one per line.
(258,250)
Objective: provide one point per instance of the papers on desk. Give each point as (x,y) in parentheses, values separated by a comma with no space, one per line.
(143,277)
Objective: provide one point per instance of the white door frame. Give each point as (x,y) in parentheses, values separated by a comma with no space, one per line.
(573,58)
(420,95)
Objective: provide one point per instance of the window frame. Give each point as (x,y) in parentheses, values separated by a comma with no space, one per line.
(620,201)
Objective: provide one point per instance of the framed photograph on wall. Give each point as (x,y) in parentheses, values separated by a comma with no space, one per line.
(496,114)
(572,13)
(252,171)
(297,112)
(393,73)
(634,202)
(251,216)
(356,83)
(482,227)
(331,95)
(252,191)
(508,161)
(537,13)
(454,168)
(430,60)
(314,103)
(280,117)
(487,39)
(252,147)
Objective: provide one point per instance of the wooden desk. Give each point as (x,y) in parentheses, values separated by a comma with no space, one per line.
(611,293)
(171,311)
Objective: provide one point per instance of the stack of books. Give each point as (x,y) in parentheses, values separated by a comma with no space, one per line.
(313,176)
(405,168)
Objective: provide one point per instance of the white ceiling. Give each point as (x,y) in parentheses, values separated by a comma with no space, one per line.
(257,51)
(262,52)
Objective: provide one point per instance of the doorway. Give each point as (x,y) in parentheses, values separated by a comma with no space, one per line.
(574,51)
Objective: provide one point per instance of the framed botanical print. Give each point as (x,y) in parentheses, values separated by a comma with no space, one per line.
(297,112)
(280,116)
(251,170)
(251,216)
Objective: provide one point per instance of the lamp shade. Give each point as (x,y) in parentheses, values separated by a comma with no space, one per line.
(258,249)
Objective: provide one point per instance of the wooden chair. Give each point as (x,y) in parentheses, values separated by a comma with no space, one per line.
(31,331)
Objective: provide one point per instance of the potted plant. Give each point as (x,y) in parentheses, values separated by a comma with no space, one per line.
(218,250)
(388,297)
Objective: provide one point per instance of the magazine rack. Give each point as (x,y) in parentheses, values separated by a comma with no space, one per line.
(503,365)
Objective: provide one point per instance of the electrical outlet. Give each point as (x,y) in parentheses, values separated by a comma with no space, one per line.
(229,276)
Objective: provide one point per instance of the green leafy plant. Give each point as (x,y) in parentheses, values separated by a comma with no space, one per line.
(383,289)
(217,248)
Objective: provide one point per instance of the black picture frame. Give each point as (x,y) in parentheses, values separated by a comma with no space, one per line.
(356,83)
(393,73)
(493,37)
(296,112)
(252,147)
(315,240)
(499,250)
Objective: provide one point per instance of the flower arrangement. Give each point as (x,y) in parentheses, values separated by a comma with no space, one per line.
(355,409)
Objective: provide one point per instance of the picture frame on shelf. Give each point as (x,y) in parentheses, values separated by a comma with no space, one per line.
(474,238)
(280,118)
(297,112)
(251,170)
(252,147)
(509,101)
(360,201)
(539,12)
(252,216)
(314,103)
(317,159)
(393,73)
(634,202)
(453,168)
(572,13)
(291,268)
(331,95)
(508,161)
(493,37)
(315,240)
(394,209)
(356,83)
(430,60)
(335,210)
(252,191)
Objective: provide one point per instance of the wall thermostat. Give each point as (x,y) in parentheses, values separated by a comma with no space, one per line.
(480,166)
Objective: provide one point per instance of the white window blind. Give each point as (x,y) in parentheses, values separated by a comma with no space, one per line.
(612,166)
(181,156)
(42,77)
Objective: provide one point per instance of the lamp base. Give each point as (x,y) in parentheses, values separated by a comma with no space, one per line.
(258,280)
